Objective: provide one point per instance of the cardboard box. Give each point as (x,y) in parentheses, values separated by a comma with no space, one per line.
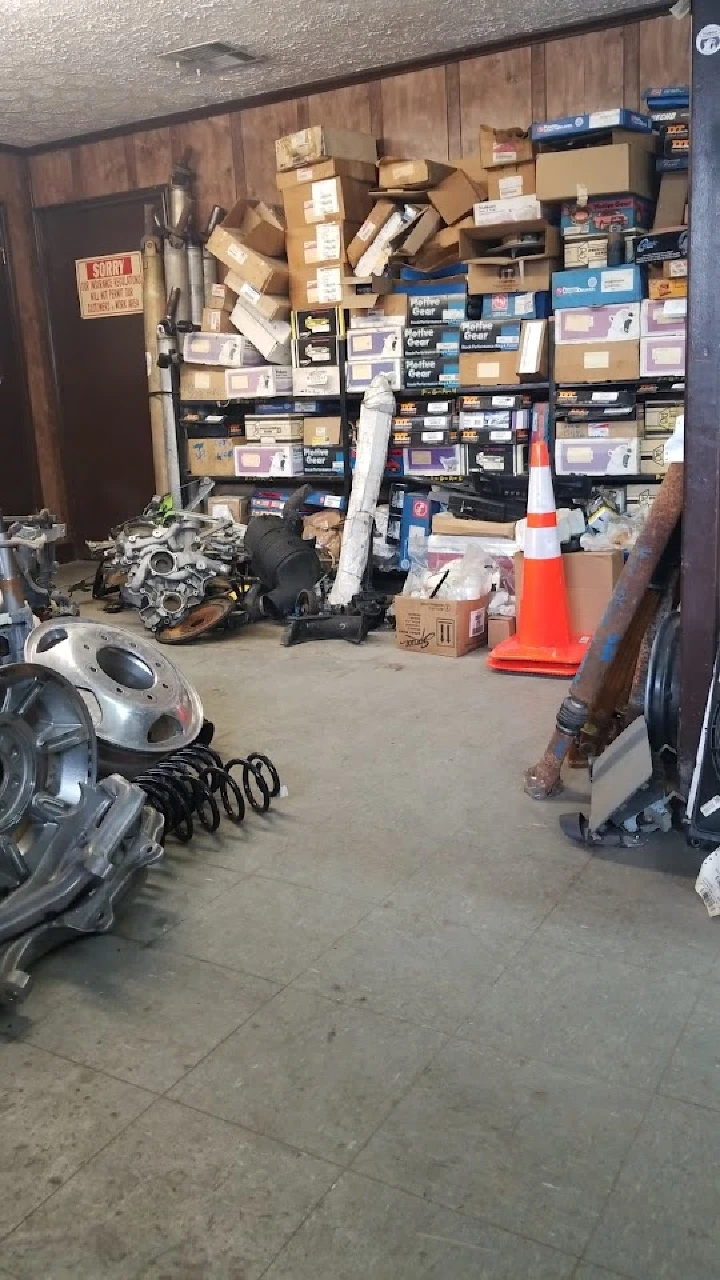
(504,146)
(255,225)
(431,340)
(323,244)
(319,380)
(508,367)
(663,356)
(456,194)
(267,275)
(328,286)
(415,433)
(225,506)
(599,324)
(202,384)
(628,213)
(590,579)
(419,235)
(439,460)
(486,335)
(676,268)
(318,323)
(664,317)
(373,224)
(512,210)
(597,456)
(234,352)
(268,460)
(500,629)
(525,275)
(660,288)
(671,207)
(359,170)
(270,337)
(652,455)
(515,306)
(454,526)
(586,287)
(662,246)
(378,254)
(216,321)
(311,353)
(598,430)
(415,523)
(436,308)
(220,297)
(332,200)
(513,181)
(443,248)
(507,458)
(322,431)
(211,457)
(323,460)
(594,171)
(360,373)
(592,122)
(662,419)
(583,404)
(597,361)
(443,628)
(306,146)
(375,343)
(364,294)
(270,306)
(432,371)
(267,380)
(265,428)
(395,174)
(431,405)
(590,251)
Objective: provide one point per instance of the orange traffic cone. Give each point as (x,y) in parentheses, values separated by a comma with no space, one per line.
(542,644)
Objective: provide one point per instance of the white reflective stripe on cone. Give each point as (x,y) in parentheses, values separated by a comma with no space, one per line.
(541,544)
(541,498)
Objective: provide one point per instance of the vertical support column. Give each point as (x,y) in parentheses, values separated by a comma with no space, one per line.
(701,514)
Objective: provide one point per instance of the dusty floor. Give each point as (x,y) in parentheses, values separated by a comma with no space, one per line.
(399,1030)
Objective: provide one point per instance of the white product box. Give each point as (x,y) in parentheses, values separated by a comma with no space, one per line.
(267,380)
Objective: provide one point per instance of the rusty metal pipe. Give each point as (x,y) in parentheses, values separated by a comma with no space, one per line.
(543,780)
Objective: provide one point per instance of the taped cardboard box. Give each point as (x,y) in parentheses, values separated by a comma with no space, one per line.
(594,171)
(227,506)
(397,174)
(322,431)
(306,146)
(270,337)
(271,306)
(267,275)
(590,579)
(442,628)
(211,457)
(597,361)
(504,146)
(216,321)
(202,384)
(456,195)
(652,456)
(220,297)
(512,181)
(373,224)
(253,224)
(360,170)
(671,207)
(527,275)
(322,245)
(332,200)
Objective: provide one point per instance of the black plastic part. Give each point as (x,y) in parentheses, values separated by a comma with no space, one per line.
(662,688)
(334,626)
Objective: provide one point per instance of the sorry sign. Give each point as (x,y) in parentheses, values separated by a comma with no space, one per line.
(109,286)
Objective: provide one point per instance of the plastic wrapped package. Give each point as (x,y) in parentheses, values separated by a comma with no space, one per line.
(616,533)
(443,547)
(468,577)
(385,555)
(502,605)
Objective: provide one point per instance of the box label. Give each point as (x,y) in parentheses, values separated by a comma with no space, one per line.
(237,253)
(329,284)
(327,240)
(617,281)
(596,360)
(252,295)
(488,369)
(324,197)
(477,622)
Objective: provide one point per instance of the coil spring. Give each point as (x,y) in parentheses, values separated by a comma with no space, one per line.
(196,784)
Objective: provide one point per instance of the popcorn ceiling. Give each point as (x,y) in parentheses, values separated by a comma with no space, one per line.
(69,67)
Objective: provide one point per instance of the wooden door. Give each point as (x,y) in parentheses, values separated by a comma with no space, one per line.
(99,367)
(18,465)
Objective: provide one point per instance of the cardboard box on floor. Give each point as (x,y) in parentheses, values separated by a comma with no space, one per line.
(306,146)
(445,628)
(500,629)
(255,224)
(590,578)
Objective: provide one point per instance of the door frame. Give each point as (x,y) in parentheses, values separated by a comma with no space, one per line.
(41,247)
(31,448)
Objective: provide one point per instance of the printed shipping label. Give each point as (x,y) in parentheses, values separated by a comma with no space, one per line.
(324,197)
(596,360)
(477,622)
(329,284)
(616,281)
(328,240)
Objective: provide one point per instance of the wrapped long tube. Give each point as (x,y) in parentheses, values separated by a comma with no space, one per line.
(372,445)
(209,275)
(154,308)
(177,275)
(196,281)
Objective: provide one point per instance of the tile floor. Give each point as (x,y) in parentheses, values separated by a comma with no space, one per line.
(400,1030)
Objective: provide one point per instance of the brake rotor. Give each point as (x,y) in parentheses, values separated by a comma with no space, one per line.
(200,621)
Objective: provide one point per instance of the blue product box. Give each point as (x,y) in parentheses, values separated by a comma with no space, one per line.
(596,287)
(672,164)
(592,122)
(597,216)
(269,501)
(451,272)
(515,306)
(273,408)
(431,340)
(331,501)
(669,95)
(415,525)
(321,458)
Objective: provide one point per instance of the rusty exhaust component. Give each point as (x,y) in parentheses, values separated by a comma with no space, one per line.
(543,780)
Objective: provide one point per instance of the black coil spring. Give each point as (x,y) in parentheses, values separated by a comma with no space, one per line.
(195,784)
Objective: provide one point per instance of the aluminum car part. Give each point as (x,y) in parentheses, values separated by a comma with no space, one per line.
(95,861)
(201,620)
(47,754)
(141,705)
(33,539)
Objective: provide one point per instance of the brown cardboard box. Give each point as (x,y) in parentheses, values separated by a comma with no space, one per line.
(212,457)
(444,247)
(504,146)
(445,628)
(395,174)
(501,368)
(216,321)
(221,297)
(269,305)
(319,431)
(652,456)
(202,383)
(333,200)
(500,629)
(425,228)
(511,180)
(322,169)
(595,171)
(528,275)
(590,579)
(332,287)
(475,240)
(443,522)
(380,213)
(456,195)
(321,245)
(597,361)
(267,275)
(258,227)
(225,506)
(306,146)
(659,286)
(672,200)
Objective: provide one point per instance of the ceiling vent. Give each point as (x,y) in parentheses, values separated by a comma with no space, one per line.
(212,58)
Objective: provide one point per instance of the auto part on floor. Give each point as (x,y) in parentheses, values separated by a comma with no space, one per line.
(187,785)
(201,620)
(141,705)
(27,579)
(372,444)
(285,563)
(544,779)
(327,626)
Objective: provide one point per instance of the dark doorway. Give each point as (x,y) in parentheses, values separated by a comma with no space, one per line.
(99,368)
(18,469)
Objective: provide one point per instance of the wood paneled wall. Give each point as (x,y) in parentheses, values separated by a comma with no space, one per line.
(433,112)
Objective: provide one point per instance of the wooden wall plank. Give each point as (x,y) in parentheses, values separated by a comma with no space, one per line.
(153,159)
(260,127)
(564,77)
(631,67)
(102,167)
(664,51)
(51,177)
(603,61)
(346,108)
(454,113)
(414,107)
(537,82)
(495,89)
(208,143)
